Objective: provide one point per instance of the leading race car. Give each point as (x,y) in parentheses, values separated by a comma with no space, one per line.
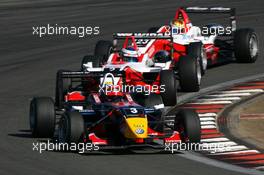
(190,48)
(108,120)
(214,41)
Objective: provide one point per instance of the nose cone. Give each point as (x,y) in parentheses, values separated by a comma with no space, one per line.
(136,128)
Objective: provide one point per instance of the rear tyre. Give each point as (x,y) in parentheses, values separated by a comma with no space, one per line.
(42,117)
(187,123)
(71,127)
(195,50)
(169,93)
(103,48)
(246,45)
(63,85)
(189,74)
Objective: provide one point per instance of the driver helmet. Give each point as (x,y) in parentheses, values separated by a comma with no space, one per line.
(162,56)
(130,54)
(179,24)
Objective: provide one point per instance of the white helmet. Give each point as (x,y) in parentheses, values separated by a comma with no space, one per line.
(129,54)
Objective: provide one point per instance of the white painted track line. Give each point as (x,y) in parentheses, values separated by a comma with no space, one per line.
(235,148)
(208,123)
(220,144)
(207,119)
(242,91)
(229,95)
(169,120)
(208,126)
(208,115)
(260,168)
(210,102)
(221,139)
(218,99)
(239,152)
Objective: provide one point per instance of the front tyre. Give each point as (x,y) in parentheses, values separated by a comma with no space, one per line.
(42,117)
(168,87)
(187,123)
(189,74)
(71,127)
(155,100)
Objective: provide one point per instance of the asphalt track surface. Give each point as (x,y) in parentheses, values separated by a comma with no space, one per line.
(28,65)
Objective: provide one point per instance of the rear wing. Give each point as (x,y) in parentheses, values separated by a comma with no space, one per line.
(96,73)
(142,35)
(215,10)
(210,10)
(73,79)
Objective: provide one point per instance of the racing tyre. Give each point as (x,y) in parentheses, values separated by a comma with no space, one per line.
(153,29)
(42,117)
(155,100)
(63,86)
(103,48)
(246,45)
(187,123)
(196,51)
(189,74)
(94,59)
(169,95)
(152,100)
(71,127)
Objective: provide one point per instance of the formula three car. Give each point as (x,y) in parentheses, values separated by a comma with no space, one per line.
(186,49)
(140,70)
(108,120)
(217,41)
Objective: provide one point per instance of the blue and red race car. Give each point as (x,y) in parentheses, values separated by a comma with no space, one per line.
(107,120)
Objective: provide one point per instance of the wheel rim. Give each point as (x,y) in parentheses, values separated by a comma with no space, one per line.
(203,59)
(110,51)
(32,119)
(199,73)
(253,46)
(62,131)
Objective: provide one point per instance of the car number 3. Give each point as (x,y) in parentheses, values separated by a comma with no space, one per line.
(133,110)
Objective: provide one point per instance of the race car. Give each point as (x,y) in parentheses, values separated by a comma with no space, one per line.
(108,120)
(213,41)
(140,70)
(190,49)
